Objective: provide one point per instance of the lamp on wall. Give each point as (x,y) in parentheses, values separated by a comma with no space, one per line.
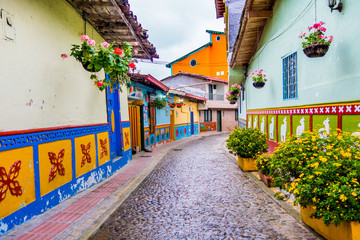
(333,3)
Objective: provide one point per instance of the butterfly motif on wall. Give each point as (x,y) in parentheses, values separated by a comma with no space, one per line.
(7,181)
(86,154)
(127,142)
(57,167)
(104,151)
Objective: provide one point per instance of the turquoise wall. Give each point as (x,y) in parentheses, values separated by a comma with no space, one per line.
(330,79)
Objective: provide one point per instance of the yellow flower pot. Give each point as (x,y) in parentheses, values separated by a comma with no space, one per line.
(247,164)
(345,231)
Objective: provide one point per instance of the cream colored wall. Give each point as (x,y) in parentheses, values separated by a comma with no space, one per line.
(38,88)
(124,107)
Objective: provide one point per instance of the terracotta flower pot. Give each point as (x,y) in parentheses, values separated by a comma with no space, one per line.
(266,180)
(258,84)
(316,50)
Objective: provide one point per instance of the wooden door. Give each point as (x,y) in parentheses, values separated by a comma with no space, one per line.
(134,116)
(172,125)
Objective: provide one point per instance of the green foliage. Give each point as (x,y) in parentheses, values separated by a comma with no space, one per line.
(115,62)
(321,172)
(263,165)
(159,103)
(247,142)
(234,93)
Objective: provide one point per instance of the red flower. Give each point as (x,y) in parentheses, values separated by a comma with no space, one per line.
(132,65)
(118,51)
(99,84)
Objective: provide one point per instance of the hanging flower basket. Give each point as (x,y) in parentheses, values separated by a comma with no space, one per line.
(85,66)
(233,101)
(234,92)
(258,84)
(259,78)
(316,50)
(316,44)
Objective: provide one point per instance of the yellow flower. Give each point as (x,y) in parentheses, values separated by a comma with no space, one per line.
(354,194)
(337,164)
(300,149)
(314,199)
(323,159)
(342,197)
(296,191)
(318,173)
(301,175)
(311,176)
(315,165)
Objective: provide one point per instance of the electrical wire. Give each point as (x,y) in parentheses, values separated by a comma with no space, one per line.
(280,34)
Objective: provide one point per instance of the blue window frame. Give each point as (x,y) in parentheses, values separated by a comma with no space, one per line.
(290,83)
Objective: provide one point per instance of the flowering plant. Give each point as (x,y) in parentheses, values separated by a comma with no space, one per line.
(322,173)
(263,164)
(178,104)
(159,103)
(258,76)
(115,62)
(247,142)
(316,35)
(234,93)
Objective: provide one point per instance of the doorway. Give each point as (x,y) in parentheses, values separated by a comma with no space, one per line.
(219,123)
(172,125)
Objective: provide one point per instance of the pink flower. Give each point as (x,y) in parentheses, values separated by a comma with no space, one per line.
(255,70)
(136,51)
(84,37)
(264,75)
(252,73)
(331,39)
(316,25)
(99,84)
(331,36)
(261,70)
(322,29)
(320,36)
(309,28)
(64,56)
(90,42)
(105,44)
(321,22)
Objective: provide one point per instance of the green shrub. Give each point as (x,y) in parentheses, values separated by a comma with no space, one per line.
(247,142)
(263,164)
(323,173)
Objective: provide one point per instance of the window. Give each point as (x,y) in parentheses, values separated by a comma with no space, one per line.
(290,88)
(211,92)
(193,63)
(218,38)
(207,115)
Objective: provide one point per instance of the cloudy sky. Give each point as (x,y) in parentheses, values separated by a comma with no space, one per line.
(175,27)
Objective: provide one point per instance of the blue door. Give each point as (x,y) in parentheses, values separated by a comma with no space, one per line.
(192,123)
(114,119)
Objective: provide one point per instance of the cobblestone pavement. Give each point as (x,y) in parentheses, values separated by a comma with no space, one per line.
(197,192)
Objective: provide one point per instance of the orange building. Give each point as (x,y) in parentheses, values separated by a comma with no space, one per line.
(208,60)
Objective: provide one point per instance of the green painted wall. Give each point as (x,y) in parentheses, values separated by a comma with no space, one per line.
(330,79)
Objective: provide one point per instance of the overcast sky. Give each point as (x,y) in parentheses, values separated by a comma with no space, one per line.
(175,27)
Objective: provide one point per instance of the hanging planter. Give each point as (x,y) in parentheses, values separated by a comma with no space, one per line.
(259,78)
(316,44)
(116,62)
(234,92)
(258,84)
(316,50)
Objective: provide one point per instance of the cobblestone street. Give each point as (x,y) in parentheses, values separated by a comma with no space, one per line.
(197,192)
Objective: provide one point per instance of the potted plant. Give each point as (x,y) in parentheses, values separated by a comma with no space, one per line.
(259,78)
(248,144)
(159,103)
(115,61)
(316,44)
(234,92)
(179,104)
(263,165)
(323,174)
(172,105)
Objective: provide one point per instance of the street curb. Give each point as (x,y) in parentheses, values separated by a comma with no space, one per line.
(290,209)
(132,185)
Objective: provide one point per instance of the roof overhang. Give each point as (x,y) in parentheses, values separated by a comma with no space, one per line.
(116,23)
(194,75)
(252,23)
(220,8)
(149,81)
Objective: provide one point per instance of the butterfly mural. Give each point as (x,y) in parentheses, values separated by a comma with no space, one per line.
(86,154)
(7,181)
(104,151)
(127,142)
(58,166)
